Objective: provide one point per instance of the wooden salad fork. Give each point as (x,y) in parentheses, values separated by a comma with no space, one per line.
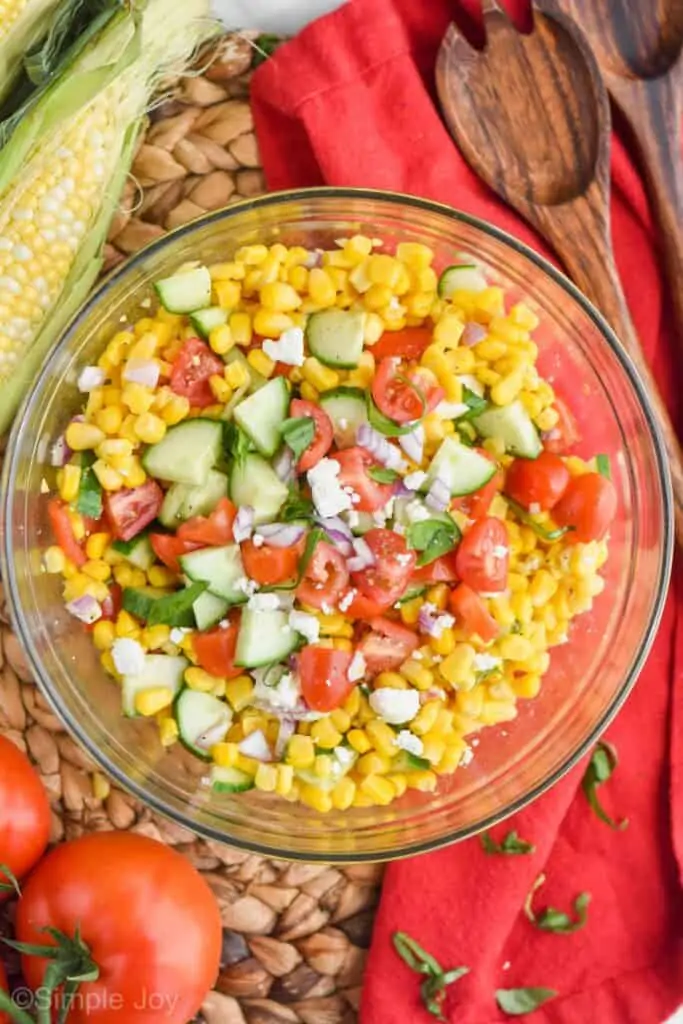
(531,116)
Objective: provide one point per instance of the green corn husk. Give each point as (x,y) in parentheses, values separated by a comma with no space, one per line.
(22,24)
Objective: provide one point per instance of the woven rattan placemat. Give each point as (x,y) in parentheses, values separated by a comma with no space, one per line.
(295,935)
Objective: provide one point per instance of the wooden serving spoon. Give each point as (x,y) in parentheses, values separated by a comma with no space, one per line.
(639,48)
(531,116)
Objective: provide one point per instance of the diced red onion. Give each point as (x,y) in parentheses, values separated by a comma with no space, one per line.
(243,524)
(142,371)
(281,535)
(551,435)
(338,524)
(213,735)
(364,557)
(284,465)
(439,495)
(256,745)
(432,621)
(341,541)
(91,377)
(285,733)
(314,259)
(60,453)
(473,333)
(85,608)
(378,446)
(413,444)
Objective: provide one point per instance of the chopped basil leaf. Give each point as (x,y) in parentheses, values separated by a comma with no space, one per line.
(264,47)
(382,423)
(433,538)
(124,547)
(517,1001)
(298,433)
(412,953)
(411,593)
(510,846)
(475,402)
(296,507)
(89,500)
(603,467)
(169,610)
(312,541)
(236,443)
(433,988)
(383,475)
(557,921)
(600,768)
(528,520)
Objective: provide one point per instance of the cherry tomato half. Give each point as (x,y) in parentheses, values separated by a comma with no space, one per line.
(483,554)
(387,579)
(588,506)
(212,531)
(477,504)
(540,481)
(355,463)
(130,510)
(215,650)
(192,368)
(394,395)
(387,646)
(471,613)
(565,434)
(268,565)
(324,432)
(60,522)
(326,577)
(324,677)
(409,343)
(169,549)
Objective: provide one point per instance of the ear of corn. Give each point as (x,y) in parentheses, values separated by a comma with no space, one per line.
(62,172)
(22,24)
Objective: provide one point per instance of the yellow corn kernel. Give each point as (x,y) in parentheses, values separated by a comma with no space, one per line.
(373,763)
(378,297)
(461,360)
(424,781)
(160,576)
(96,545)
(309,392)
(448,330)
(359,741)
(490,349)
(285,779)
(457,667)
(438,596)
(252,255)
(145,347)
(221,339)
(236,375)
(103,635)
(420,677)
(341,720)
(54,560)
(176,410)
(434,428)
(523,608)
(138,398)
(266,778)
(110,419)
(324,734)
(300,752)
(247,764)
(383,737)
(68,482)
(361,800)
(527,686)
(352,703)
(377,789)
(315,797)
(373,328)
(542,588)
(110,479)
(155,637)
(321,377)
(383,269)
(262,363)
(198,679)
(495,712)
(281,298)
(240,328)
(452,756)
(443,644)
(334,625)
(434,747)
(321,288)
(298,278)
(228,293)
(77,525)
(150,428)
(507,389)
(322,766)
(227,271)
(414,254)
(393,680)
(107,663)
(547,419)
(426,718)
(96,569)
(343,794)
(150,702)
(239,692)
(225,754)
(269,324)
(82,436)
(515,648)
(410,611)
(168,731)
(220,388)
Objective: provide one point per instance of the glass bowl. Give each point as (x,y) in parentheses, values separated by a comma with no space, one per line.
(590,676)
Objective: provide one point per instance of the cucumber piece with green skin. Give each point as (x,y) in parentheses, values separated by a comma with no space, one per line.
(347,410)
(264,638)
(335,337)
(158,608)
(203,720)
(463,470)
(209,610)
(204,320)
(220,568)
(137,551)
(465,277)
(407,762)
(254,482)
(161,670)
(170,511)
(230,780)
(513,425)
(261,415)
(362,524)
(185,292)
(187,453)
(182,501)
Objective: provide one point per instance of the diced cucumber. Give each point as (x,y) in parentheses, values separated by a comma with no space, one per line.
(264,637)
(462,277)
(187,453)
(230,780)
(513,425)
(137,551)
(209,610)
(185,292)
(161,670)
(335,336)
(360,523)
(170,511)
(204,320)
(254,482)
(462,469)
(182,501)
(261,414)
(347,409)
(203,721)
(407,762)
(156,607)
(256,379)
(220,568)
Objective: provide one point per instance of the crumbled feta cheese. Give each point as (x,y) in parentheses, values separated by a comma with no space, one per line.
(129,656)
(400,529)
(355,499)
(246,585)
(326,608)
(564,639)
(307,625)
(500,550)
(44,486)
(356,668)
(440,623)
(178,634)
(406,740)
(263,603)
(91,377)
(467,756)
(395,706)
(388,509)
(329,497)
(346,600)
(224,624)
(284,696)
(379,519)
(405,559)
(352,518)
(344,756)
(486,662)
(451,410)
(414,481)
(343,423)
(257,540)
(416,512)
(534,508)
(288,349)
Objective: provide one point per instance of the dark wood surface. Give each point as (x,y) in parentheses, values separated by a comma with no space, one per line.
(531,116)
(639,49)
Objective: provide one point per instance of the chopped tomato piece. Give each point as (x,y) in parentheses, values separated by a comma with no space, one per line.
(429,387)
(471,613)
(60,521)
(215,651)
(386,580)
(588,507)
(441,570)
(324,677)
(477,504)
(132,509)
(395,395)
(324,432)
(540,481)
(212,531)
(362,607)
(409,343)
(168,548)
(483,555)
(565,434)
(387,646)
(355,463)
(268,565)
(191,370)
(326,577)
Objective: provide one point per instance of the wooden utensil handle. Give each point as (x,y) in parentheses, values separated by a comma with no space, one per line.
(579,233)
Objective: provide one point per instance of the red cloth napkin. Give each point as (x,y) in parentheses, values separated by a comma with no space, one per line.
(351,102)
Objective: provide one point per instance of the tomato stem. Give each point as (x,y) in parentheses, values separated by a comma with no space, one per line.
(69,964)
(8,1006)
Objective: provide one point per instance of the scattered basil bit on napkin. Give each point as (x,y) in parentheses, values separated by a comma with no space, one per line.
(433,988)
(510,846)
(557,921)
(600,769)
(516,1001)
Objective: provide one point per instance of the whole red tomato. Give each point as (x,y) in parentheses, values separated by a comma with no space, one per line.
(148,919)
(24,814)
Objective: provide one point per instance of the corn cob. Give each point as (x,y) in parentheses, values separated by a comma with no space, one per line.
(63,170)
(22,23)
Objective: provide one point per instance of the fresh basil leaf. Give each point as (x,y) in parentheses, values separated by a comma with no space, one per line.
(170,610)
(602,464)
(264,47)
(382,423)
(517,1001)
(528,520)
(314,538)
(433,538)
(433,993)
(433,988)
(600,768)
(476,405)
(124,547)
(298,433)
(510,846)
(383,475)
(296,507)
(417,958)
(411,593)
(557,921)
(89,500)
